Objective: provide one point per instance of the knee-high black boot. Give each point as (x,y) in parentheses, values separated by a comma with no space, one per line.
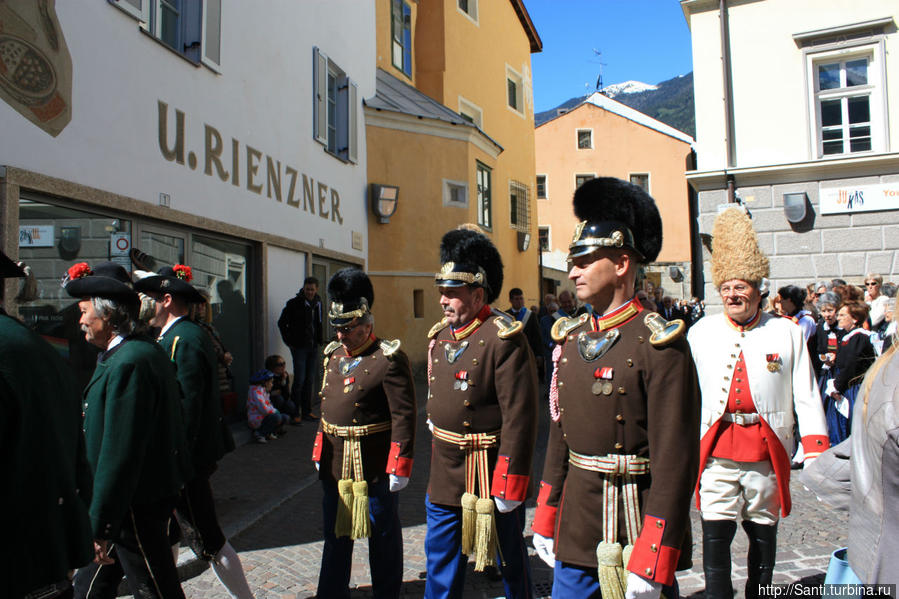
(762,553)
(717,536)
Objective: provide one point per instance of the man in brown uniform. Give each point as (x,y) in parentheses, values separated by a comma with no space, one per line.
(364,445)
(482,410)
(625,412)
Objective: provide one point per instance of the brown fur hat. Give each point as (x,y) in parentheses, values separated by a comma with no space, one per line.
(735,249)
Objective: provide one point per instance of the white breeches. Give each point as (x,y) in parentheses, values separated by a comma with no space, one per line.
(726,484)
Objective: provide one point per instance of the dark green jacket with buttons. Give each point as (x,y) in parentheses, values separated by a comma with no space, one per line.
(46,478)
(196,366)
(133,425)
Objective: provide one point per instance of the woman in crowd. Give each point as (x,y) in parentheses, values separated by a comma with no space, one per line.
(854,356)
(827,337)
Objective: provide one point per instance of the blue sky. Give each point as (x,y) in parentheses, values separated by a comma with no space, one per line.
(643,40)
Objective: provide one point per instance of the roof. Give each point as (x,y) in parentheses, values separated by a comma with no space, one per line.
(606,103)
(528,24)
(394,95)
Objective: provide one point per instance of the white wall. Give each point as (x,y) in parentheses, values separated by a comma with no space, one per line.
(286,271)
(262,98)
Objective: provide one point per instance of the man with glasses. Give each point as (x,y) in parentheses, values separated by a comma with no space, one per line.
(364,446)
(623,404)
(754,371)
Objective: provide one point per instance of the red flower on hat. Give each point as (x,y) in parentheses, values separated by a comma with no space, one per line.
(77,271)
(183,272)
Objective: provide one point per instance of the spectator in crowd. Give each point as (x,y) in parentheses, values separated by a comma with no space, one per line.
(669,310)
(889,333)
(810,299)
(643,297)
(773,307)
(837,282)
(827,337)
(848,293)
(792,300)
(265,420)
(280,393)
(876,300)
(697,309)
(566,307)
(854,356)
(301,329)
(550,304)
(201,314)
(528,319)
(888,289)
(822,287)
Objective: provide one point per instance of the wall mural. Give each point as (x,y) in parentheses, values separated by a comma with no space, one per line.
(35,65)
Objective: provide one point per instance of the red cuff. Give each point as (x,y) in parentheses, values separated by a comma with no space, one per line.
(545,517)
(513,487)
(814,445)
(317,448)
(398,465)
(650,559)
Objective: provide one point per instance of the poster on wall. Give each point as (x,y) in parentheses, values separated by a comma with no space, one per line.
(859,198)
(35,236)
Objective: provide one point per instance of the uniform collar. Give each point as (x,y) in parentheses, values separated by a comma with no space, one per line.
(618,316)
(753,322)
(466,330)
(169,325)
(361,348)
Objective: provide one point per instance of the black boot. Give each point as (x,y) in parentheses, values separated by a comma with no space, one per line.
(717,536)
(762,553)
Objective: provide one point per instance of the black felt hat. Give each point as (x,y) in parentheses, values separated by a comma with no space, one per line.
(468,257)
(174,281)
(616,214)
(106,279)
(8,268)
(351,294)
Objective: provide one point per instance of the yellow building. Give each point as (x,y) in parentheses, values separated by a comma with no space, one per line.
(604,138)
(450,132)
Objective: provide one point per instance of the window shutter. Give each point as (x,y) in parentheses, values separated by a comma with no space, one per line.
(352,120)
(212,34)
(320,96)
(139,9)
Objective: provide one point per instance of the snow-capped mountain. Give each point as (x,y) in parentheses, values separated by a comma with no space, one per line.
(627,87)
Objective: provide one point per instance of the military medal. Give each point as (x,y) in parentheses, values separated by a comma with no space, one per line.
(454,350)
(773,362)
(461,382)
(603,384)
(348,384)
(347,364)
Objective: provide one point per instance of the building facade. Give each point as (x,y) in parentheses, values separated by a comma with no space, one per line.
(604,138)
(797,118)
(150,132)
(450,135)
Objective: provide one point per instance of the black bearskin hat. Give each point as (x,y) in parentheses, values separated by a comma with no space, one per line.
(351,294)
(615,213)
(468,257)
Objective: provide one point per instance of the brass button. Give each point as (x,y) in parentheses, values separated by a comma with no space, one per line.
(619,418)
(738,402)
(729,366)
(436,361)
(481,342)
(618,445)
(356,404)
(630,362)
(640,339)
(658,524)
(355,421)
(653,548)
(738,389)
(724,389)
(648,571)
(739,380)
(564,360)
(727,378)
(819,442)
(474,361)
(621,391)
(466,424)
(433,378)
(466,403)
(365,371)
(561,383)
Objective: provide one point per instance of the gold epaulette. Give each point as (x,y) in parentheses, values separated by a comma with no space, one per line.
(507,327)
(331,348)
(437,328)
(389,347)
(664,332)
(563,326)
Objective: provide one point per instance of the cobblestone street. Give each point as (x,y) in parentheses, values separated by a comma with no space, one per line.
(269,501)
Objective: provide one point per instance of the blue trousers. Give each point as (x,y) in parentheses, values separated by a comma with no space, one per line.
(305,360)
(446,564)
(385,546)
(579,582)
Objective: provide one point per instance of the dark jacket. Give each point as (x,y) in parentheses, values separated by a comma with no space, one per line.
(301,322)
(854,357)
(47,480)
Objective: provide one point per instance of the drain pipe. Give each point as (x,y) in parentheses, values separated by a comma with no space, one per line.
(727,81)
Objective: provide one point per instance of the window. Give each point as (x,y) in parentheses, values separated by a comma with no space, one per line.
(192,28)
(418,303)
(401,26)
(471,112)
(455,193)
(469,8)
(334,112)
(541,187)
(641,180)
(514,90)
(581,179)
(543,238)
(483,178)
(843,99)
(585,139)
(519,206)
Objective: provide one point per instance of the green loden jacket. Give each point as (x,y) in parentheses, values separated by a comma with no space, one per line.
(133,425)
(196,366)
(47,480)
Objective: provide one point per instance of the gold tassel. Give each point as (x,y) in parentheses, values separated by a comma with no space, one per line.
(361,523)
(625,558)
(485,539)
(609,568)
(469,500)
(343,526)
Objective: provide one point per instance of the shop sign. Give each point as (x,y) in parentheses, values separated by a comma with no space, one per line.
(859,198)
(35,236)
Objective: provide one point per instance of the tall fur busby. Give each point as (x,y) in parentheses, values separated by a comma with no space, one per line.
(351,294)
(470,250)
(735,249)
(607,199)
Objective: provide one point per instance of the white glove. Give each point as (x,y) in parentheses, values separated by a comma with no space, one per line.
(505,505)
(398,483)
(544,547)
(430,425)
(317,466)
(843,406)
(640,588)
(830,388)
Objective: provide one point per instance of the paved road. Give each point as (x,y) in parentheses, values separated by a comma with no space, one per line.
(269,500)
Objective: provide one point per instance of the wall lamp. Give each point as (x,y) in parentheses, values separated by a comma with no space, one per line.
(384,199)
(795,207)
